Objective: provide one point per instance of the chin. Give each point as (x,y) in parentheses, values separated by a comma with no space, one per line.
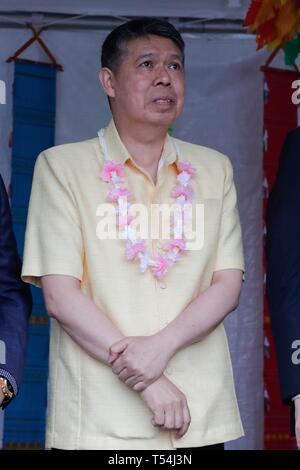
(163,120)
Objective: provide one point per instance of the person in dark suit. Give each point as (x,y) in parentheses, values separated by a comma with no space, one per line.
(15,307)
(283,272)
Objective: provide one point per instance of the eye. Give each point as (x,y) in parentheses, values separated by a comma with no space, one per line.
(175,66)
(146,63)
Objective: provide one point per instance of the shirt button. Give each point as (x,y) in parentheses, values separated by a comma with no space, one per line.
(162,285)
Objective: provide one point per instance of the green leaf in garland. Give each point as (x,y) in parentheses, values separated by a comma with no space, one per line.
(292,50)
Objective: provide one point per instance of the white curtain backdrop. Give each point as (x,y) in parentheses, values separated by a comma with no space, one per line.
(224,109)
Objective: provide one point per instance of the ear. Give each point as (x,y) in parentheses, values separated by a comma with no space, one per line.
(107,81)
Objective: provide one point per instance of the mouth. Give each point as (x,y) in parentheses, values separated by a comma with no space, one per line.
(164,101)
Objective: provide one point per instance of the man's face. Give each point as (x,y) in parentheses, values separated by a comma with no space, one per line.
(149,83)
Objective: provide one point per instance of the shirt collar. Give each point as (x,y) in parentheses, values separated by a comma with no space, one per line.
(119,152)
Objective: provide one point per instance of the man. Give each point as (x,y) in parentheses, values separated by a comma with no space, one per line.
(283,272)
(15,307)
(138,354)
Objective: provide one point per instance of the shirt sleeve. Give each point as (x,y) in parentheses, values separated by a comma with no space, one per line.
(13,384)
(4,373)
(53,237)
(296,397)
(230,249)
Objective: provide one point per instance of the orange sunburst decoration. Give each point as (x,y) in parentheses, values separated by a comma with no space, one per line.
(276,24)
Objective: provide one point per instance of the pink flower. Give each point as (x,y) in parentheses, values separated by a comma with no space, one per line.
(115,193)
(124,220)
(187,167)
(180,190)
(161,266)
(178,245)
(109,167)
(132,250)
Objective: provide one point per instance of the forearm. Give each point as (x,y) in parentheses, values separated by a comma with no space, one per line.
(83,320)
(203,314)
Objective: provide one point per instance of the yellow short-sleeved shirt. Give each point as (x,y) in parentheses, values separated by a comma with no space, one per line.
(88,406)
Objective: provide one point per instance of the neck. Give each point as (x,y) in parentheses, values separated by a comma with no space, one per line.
(144,143)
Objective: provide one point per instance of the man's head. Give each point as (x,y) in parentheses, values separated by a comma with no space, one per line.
(143,71)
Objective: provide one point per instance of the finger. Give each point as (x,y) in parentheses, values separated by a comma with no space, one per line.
(116,354)
(159,417)
(124,374)
(169,417)
(118,365)
(119,346)
(186,421)
(140,386)
(179,416)
(155,424)
(112,357)
(133,381)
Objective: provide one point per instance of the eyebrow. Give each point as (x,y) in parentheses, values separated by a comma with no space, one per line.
(151,54)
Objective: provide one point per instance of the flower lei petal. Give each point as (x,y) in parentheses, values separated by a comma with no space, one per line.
(133,249)
(109,168)
(161,267)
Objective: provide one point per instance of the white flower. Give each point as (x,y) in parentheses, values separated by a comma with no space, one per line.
(131,233)
(116,179)
(128,233)
(144,261)
(180,200)
(173,255)
(123,206)
(184,178)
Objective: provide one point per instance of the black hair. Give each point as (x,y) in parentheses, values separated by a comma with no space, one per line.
(113,46)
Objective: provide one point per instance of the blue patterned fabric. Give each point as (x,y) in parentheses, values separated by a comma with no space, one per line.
(33,131)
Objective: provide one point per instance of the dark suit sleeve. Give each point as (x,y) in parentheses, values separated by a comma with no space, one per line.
(15,297)
(283,264)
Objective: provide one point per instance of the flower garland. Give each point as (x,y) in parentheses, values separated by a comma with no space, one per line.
(136,249)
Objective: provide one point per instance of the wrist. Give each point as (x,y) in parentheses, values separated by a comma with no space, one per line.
(146,389)
(168,341)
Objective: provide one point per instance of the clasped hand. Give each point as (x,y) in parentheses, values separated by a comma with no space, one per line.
(139,360)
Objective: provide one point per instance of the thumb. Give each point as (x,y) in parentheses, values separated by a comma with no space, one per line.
(112,357)
(119,346)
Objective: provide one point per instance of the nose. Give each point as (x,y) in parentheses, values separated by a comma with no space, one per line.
(162,77)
